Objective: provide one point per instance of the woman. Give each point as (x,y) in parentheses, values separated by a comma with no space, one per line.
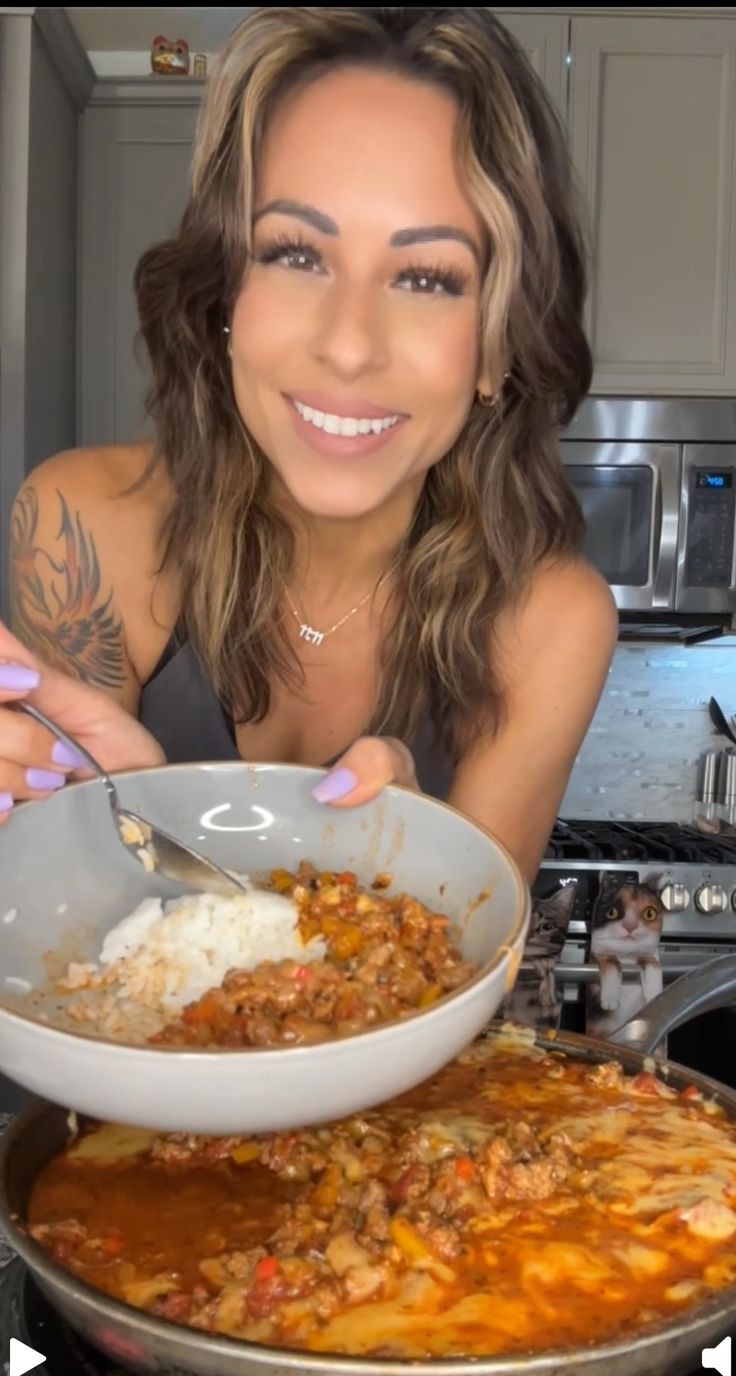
(352,541)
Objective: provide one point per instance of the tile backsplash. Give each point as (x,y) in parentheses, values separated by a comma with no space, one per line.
(639,760)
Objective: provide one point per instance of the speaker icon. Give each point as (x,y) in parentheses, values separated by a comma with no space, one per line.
(718,1358)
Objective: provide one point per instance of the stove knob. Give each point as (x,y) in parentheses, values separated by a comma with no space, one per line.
(675,898)
(711,899)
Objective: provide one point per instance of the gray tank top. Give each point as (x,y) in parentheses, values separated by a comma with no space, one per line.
(181,710)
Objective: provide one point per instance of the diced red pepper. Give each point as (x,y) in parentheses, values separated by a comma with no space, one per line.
(113,1244)
(465,1168)
(205,1009)
(646,1083)
(267,1268)
(303,974)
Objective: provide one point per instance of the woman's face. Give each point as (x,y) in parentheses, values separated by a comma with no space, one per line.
(355,336)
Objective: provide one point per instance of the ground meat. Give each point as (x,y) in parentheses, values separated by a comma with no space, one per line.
(240,1265)
(438,1194)
(411,1184)
(533,1172)
(607,1075)
(175,1308)
(376,1224)
(362,1282)
(295,1156)
(63,1240)
(386,957)
(443,1239)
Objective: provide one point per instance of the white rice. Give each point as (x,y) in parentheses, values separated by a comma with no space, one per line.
(165,957)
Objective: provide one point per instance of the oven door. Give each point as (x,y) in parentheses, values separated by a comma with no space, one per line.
(630,497)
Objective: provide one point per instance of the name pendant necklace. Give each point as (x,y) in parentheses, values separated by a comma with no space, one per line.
(315,637)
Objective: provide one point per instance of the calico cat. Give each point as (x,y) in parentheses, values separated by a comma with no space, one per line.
(627,924)
(535,999)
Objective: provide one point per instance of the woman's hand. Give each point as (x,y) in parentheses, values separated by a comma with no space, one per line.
(366,768)
(32,762)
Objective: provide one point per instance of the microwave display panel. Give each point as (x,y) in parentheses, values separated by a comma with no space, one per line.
(710,534)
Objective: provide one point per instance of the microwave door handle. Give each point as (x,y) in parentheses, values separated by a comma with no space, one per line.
(666,523)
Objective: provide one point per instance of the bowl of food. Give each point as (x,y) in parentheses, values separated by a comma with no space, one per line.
(371,947)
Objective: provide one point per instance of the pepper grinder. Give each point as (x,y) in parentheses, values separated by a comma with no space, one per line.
(706,813)
(726,790)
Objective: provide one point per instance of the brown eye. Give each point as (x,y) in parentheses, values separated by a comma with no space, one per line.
(612,914)
(650,914)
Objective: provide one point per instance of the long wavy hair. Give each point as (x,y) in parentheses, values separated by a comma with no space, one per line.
(498,503)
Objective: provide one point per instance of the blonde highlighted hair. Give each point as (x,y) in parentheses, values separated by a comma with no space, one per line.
(498,503)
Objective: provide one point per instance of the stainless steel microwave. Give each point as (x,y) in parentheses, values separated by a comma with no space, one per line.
(656,479)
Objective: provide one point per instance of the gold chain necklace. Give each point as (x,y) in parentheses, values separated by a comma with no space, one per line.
(314,637)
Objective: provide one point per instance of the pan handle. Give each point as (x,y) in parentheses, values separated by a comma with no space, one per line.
(713,985)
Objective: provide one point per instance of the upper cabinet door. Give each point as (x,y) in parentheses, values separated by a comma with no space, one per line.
(135,180)
(653,127)
(544,38)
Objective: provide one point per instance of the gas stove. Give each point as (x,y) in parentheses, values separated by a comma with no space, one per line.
(28,1317)
(694,872)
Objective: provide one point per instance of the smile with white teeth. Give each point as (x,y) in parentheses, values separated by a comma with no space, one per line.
(344,425)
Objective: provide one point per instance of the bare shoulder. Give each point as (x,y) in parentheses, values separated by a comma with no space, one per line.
(568,609)
(85,555)
(97,477)
(553,651)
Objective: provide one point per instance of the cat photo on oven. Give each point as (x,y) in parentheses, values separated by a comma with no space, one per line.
(626,926)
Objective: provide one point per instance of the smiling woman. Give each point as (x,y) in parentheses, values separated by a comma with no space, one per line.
(387,315)
(352,542)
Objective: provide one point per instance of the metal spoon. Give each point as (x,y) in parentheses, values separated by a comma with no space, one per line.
(153,848)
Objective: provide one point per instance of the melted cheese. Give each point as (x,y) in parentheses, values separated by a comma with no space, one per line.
(639,1227)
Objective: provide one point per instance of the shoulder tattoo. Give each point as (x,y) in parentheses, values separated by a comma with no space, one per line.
(61,610)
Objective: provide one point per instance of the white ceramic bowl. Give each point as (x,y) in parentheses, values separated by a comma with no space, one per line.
(64,882)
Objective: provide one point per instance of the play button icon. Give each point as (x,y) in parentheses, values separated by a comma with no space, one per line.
(23,1358)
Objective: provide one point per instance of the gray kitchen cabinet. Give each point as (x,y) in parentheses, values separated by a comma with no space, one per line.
(45,81)
(135,165)
(544,38)
(653,131)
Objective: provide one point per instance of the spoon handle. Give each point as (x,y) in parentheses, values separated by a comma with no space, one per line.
(171,858)
(73,744)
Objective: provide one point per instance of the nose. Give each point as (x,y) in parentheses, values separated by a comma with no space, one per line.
(629,924)
(350,336)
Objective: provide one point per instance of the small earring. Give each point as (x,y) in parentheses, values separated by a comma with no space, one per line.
(489,400)
(226,332)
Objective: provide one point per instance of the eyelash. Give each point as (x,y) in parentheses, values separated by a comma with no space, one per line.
(451,281)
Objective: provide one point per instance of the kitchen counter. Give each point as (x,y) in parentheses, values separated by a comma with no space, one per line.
(639,760)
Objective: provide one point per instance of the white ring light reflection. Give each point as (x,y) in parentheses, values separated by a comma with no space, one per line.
(210,822)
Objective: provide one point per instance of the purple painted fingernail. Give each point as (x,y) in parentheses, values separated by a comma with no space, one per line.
(43,779)
(6,802)
(335,785)
(68,758)
(18,678)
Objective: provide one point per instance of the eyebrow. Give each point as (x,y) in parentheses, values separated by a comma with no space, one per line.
(403,238)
